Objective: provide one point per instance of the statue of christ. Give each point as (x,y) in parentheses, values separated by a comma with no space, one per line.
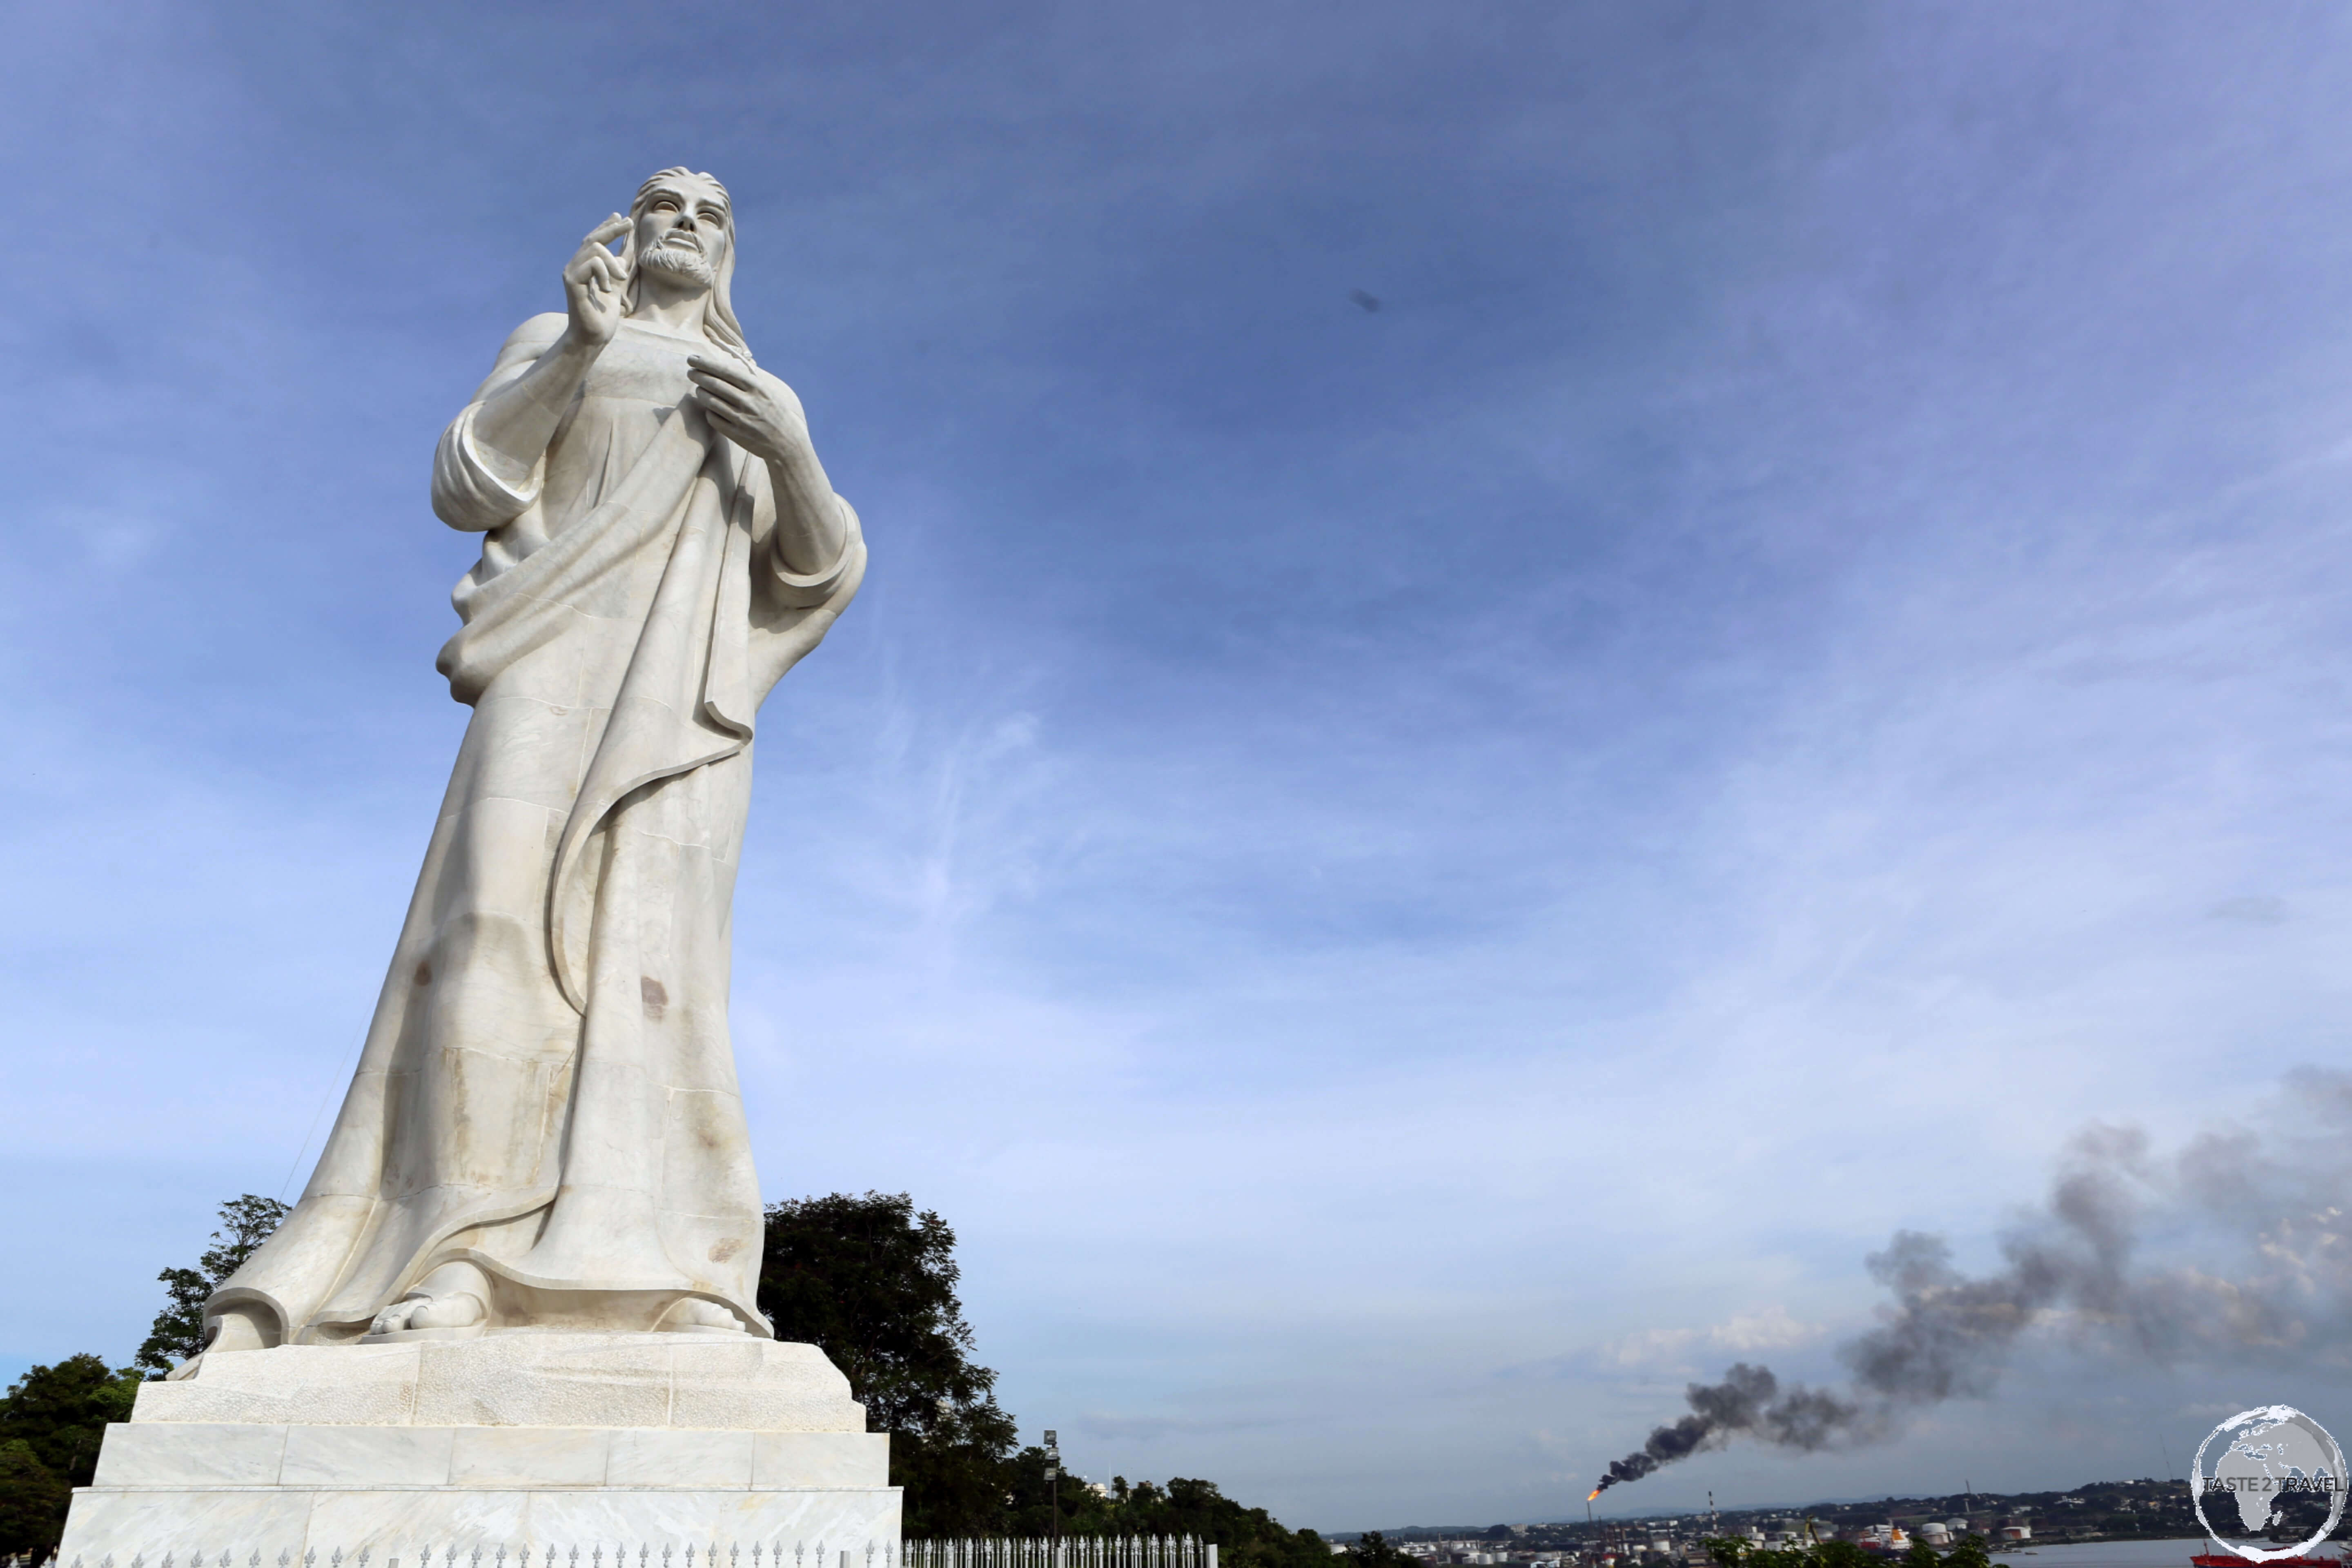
(544,1129)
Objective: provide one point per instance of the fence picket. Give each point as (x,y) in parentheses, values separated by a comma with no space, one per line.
(1018,1552)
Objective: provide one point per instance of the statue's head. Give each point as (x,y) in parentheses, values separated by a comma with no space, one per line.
(682,228)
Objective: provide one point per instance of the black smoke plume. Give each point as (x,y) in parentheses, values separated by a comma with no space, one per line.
(1749,1400)
(2279,1200)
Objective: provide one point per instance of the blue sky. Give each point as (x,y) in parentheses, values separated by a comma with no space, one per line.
(1408,880)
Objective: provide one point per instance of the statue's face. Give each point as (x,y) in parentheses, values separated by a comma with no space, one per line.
(683,229)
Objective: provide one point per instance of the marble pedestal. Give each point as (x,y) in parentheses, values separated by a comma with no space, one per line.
(522,1441)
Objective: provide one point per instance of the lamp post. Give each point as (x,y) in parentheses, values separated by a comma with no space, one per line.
(1053,1490)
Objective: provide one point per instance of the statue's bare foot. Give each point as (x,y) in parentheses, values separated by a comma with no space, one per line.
(453,1296)
(460,1310)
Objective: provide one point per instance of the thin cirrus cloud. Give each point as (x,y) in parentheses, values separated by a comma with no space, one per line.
(1398,874)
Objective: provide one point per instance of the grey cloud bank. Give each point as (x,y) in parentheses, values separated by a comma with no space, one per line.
(1796,660)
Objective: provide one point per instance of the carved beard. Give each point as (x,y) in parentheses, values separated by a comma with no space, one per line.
(684,260)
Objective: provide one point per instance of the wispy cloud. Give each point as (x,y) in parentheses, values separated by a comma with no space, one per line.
(1770,1329)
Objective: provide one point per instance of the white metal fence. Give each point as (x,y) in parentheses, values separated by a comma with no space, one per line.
(1070,1552)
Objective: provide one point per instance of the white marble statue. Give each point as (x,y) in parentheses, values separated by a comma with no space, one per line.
(544,1129)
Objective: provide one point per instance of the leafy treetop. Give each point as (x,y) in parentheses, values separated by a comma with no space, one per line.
(872,1283)
(178,1328)
(50,1422)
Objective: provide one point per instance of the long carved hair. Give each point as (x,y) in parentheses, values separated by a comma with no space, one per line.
(719,324)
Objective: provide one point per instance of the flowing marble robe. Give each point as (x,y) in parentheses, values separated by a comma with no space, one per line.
(547,1089)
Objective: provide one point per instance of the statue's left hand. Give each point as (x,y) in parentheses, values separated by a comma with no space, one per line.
(757,412)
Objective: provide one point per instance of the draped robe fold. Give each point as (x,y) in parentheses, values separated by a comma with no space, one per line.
(547,1089)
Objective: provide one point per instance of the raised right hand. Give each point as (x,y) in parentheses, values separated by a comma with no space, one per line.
(593,281)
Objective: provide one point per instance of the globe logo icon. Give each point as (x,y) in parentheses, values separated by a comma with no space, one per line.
(2264,1469)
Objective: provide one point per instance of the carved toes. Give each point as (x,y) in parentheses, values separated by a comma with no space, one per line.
(461,1309)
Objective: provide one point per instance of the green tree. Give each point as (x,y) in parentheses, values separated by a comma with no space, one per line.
(59,1413)
(1373,1549)
(1922,1555)
(1245,1537)
(179,1330)
(1968,1552)
(32,1504)
(51,1421)
(873,1284)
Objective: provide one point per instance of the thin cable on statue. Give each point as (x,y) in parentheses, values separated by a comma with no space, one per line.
(305,1148)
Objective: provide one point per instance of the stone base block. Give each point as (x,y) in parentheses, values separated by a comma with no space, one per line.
(193,1488)
(184,1455)
(520,1440)
(406,1525)
(525,1378)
